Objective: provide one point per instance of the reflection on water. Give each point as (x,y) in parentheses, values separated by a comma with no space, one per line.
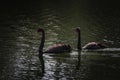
(19,41)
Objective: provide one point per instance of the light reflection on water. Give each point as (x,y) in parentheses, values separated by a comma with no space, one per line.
(19,51)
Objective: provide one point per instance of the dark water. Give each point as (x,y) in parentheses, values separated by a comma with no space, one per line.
(98,20)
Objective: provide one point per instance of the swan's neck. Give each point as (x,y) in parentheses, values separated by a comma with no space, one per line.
(42,42)
(79,41)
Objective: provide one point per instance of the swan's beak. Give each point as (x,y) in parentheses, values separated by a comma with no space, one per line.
(73,29)
(38,30)
(77,29)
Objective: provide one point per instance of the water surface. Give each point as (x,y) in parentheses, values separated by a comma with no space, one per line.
(99,21)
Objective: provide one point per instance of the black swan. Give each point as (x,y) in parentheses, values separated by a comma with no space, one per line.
(57,48)
(90,45)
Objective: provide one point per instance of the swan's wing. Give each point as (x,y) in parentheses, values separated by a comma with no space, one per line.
(91,45)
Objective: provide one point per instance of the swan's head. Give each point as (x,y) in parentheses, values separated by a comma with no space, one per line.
(77,29)
(39,30)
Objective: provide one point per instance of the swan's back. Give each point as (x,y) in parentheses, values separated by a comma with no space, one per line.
(58,48)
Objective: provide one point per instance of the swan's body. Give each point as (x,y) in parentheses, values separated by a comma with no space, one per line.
(57,48)
(94,45)
(91,45)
